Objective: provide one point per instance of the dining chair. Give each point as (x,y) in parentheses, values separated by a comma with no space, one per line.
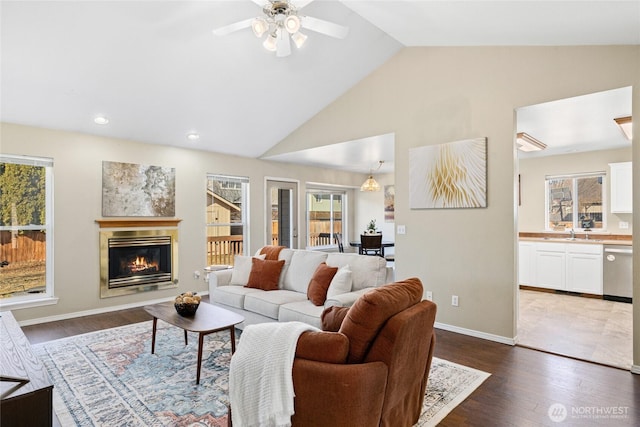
(371,244)
(338,239)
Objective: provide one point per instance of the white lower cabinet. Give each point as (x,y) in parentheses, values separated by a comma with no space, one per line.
(550,262)
(572,267)
(584,268)
(526,265)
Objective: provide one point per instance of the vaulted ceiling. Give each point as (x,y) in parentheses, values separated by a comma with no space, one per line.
(157,72)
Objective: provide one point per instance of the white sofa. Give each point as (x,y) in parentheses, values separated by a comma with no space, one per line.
(356,275)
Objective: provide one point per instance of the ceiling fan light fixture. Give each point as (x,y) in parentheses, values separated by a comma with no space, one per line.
(292,24)
(259,26)
(626,125)
(299,39)
(271,42)
(527,143)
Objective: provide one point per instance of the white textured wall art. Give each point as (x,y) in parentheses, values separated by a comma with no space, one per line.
(138,190)
(451,175)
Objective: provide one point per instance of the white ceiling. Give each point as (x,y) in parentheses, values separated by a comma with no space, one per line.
(155,69)
(581,123)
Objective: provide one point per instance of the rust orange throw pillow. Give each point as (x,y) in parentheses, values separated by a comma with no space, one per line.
(319,284)
(264,274)
(271,252)
(332,318)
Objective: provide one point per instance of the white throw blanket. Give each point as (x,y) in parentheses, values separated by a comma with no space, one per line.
(261,377)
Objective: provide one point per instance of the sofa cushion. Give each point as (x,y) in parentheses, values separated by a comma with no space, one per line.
(268,303)
(265,274)
(319,284)
(300,271)
(366,271)
(370,312)
(341,282)
(301,311)
(242,269)
(232,296)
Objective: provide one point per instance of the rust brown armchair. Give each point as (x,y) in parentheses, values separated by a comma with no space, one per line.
(371,364)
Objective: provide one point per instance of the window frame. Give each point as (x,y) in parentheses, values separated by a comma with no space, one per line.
(574,177)
(344,193)
(244,218)
(48,296)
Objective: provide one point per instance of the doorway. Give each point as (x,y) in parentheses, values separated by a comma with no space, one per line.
(555,313)
(282,213)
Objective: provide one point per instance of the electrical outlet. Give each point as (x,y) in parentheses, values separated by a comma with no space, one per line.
(623,224)
(402,229)
(454,300)
(430,295)
(196,274)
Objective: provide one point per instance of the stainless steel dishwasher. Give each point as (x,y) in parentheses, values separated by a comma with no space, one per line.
(618,273)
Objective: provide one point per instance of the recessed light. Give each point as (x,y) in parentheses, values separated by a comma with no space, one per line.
(100,120)
(193,136)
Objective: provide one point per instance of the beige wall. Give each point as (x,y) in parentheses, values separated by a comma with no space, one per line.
(425,96)
(78,203)
(434,95)
(531,215)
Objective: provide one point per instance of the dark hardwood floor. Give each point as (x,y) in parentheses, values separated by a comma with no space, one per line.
(523,385)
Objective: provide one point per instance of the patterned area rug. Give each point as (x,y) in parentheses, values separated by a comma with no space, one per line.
(110,378)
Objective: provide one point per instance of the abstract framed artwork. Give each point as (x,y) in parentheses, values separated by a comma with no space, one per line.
(450,175)
(132,190)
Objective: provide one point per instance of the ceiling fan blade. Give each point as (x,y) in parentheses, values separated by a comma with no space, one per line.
(283,46)
(324,27)
(299,4)
(227,29)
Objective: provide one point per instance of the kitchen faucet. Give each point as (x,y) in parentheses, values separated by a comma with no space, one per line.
(573,233)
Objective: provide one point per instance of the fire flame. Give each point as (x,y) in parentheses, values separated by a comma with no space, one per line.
(141,264)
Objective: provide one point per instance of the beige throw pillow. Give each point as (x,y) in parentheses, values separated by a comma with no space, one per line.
(242,269)
(341,282)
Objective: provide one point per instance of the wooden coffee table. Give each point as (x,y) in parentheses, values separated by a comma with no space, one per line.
(208,319)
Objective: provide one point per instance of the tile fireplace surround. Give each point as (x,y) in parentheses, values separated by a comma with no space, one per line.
(137,255)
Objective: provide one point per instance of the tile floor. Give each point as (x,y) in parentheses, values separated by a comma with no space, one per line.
(585,328)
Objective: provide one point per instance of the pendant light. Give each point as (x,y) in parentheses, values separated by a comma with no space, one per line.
(371,184)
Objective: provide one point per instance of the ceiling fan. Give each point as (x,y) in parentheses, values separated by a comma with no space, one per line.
(282,23)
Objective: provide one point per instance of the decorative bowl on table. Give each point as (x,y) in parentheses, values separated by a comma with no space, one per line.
(187,303)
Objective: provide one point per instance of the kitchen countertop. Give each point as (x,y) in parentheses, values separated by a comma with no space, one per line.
(594,238)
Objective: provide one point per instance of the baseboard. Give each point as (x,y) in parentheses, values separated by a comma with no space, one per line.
(635,369)
(97,311)
(477,334)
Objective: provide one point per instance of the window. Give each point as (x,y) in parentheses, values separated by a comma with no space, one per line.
(576,201)
(26,228)
(325,210)
(227,218)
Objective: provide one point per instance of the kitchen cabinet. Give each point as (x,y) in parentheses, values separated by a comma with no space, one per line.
(550,263)
(621,187)
(572,267)
(584,268)
(526,252)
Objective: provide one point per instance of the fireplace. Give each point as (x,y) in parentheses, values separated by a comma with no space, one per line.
(135,261)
